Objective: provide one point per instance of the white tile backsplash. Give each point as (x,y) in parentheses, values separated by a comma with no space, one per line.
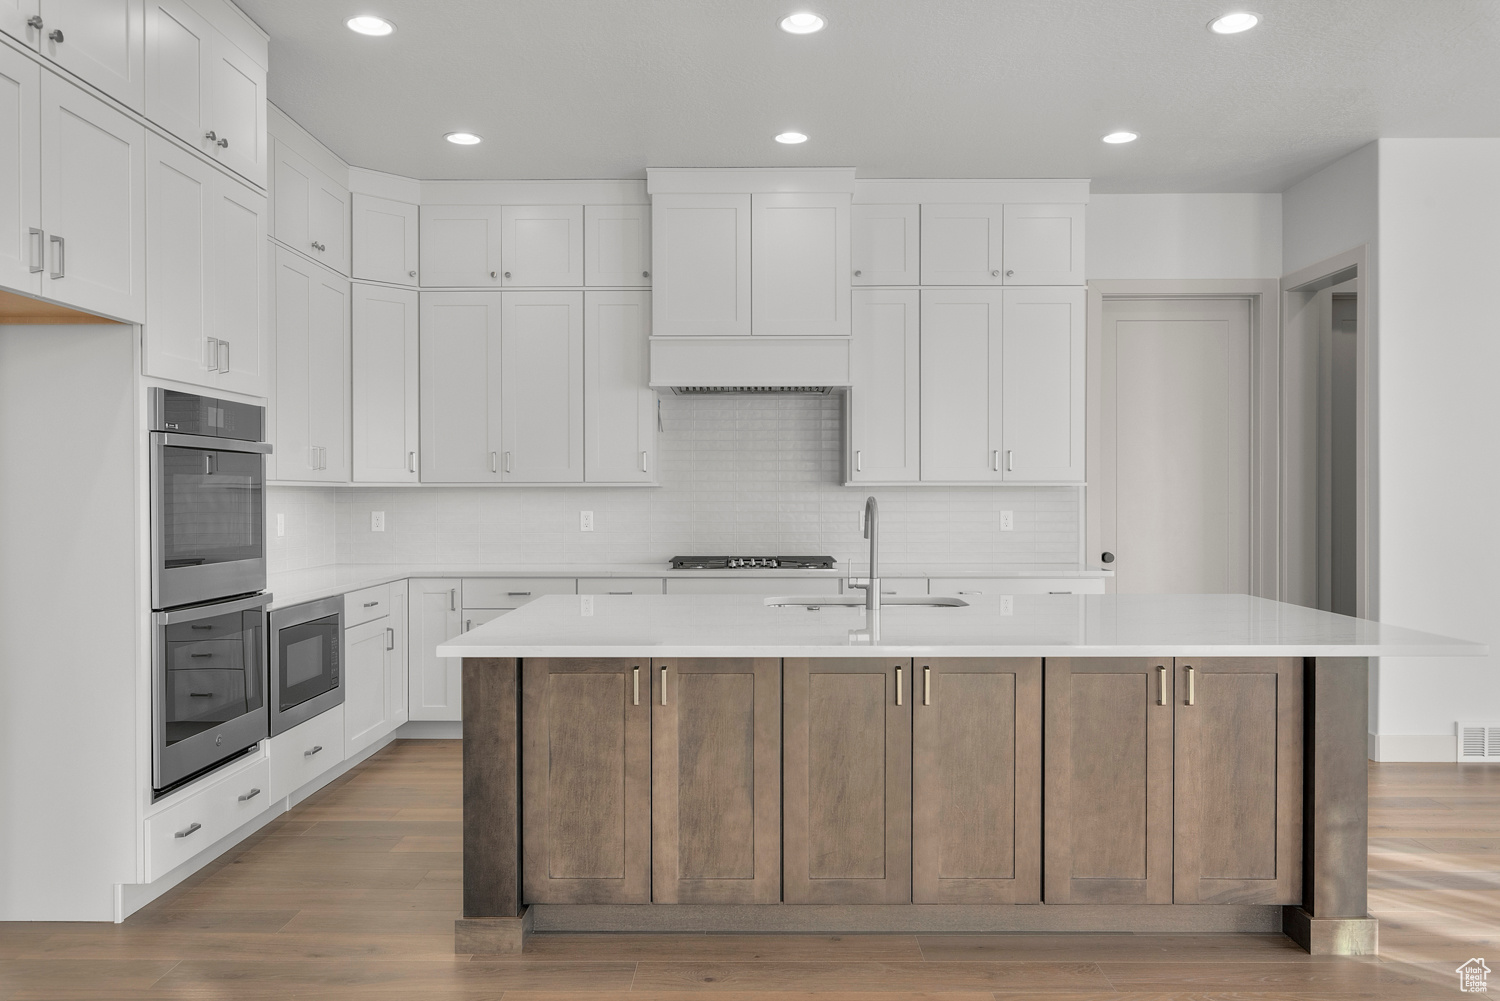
(754,475)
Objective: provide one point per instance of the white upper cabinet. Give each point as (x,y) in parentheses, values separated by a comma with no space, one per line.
(460,394)
(884,244)
(961,370)
(700,263)
(21,235)
(311,210)
(201,87)
(1042,392)
(461,245)
(93,174)
(962,244)
(312,372)
(1043,245)
(542,387)
(617,245)
(619,408)
(385,240)
(101,41)
(885,402)
(206,275)
(385,425)
(14,15)
(541,245)
(800,264)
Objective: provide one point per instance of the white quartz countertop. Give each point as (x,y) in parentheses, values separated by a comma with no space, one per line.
(1049,625)
(292,587)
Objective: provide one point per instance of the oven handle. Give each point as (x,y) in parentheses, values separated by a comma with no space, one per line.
(211,611)
(205,441)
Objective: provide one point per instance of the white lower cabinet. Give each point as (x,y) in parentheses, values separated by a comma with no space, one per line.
(182,830)
(512,592)
(752,585)
(436,615)
(306,751)
(311,411)
(371,671)
(385,429)
(1015,585)
(619,406)
(620,585)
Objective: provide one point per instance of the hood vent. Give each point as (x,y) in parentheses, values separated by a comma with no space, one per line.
(750,390)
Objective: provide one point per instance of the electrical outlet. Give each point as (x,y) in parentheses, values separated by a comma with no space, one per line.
(1007,604)
(377,521)
(280,525)
(585,521)
(586,604)
(1007,521)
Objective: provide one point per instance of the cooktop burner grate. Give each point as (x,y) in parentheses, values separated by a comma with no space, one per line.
(752,563)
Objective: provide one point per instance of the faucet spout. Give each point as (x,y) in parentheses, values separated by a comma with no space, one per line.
(871,584)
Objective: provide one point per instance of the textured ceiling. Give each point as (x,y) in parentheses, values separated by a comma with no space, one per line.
(896,88)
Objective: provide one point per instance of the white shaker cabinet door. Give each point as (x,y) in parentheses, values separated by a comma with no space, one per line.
(700,260)
(238,278)
(617,245)
(93,203)
(1043,245)
(22,242)
(14,15)
(179,45)
(962,244)
(961,357)
(460,396)
(436,683)
(397,656)
(542,387)
(312,331)
(800,253)
(102,41)
(385,240)
(619,408)
(179,217)
(311,212)
(1042,388)
(884,244)
(237,118)
(884,402)
(541,245)
(461,246)
(385,352)
(367,681)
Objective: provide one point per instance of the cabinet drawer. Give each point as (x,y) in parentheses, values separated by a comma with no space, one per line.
(513,592)
(184,829)
(306,751)
(476,617)
(898,586)
(753,585)
(619,585)
(363,606)
(1015,585)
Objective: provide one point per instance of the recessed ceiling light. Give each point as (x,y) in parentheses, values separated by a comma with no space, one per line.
(1233,24)
(464,138)
(1121,137)
(369,24)
(791,138)
(802,23)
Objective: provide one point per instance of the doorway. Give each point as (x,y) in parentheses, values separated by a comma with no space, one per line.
(1174,491)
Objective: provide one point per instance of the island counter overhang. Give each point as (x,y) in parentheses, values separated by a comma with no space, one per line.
(1301,672)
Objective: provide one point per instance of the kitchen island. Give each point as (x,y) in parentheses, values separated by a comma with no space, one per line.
(1007,763)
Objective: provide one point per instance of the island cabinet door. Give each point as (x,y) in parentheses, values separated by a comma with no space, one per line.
(716,781)
(586,782)
(1238,781)
(847,779)
(977,781)
(1108,781)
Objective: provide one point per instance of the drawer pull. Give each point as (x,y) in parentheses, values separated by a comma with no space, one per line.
(518,594)
(898,686)
(1190,694)
(926,686)
(635,686)
(200,695)
(315,750)
(250,795)
(390,638)
(196,655)
(664,686)
(192,828)
(371,604)
(1161,685)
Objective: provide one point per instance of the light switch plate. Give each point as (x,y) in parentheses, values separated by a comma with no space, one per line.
(585,521)
(377,521)
(1007,521)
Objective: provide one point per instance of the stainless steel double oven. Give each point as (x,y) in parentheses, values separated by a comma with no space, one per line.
(208,581)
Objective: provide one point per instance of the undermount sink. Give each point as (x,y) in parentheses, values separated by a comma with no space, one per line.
(857,601)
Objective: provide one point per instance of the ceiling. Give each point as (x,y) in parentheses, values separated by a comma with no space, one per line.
(896,88)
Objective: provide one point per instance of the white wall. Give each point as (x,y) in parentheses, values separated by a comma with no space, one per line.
(1439,348)
(1184,236)
(1330,212)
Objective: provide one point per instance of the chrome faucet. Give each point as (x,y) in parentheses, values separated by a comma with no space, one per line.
(871,584)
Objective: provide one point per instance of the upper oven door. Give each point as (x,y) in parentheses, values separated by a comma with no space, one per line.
(207,518)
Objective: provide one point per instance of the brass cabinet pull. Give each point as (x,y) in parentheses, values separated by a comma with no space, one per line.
(926,685)
(1161,685)
(635,684)
(664,686)
(1189,700)
(898,686)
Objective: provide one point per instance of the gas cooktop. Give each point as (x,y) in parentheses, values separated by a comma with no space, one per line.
(752,563)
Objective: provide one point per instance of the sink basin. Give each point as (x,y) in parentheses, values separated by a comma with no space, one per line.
(857,601)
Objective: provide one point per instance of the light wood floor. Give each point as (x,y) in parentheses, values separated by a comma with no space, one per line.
(353,895)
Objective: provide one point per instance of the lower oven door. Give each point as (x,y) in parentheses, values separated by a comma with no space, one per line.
(209,685)
(305,652)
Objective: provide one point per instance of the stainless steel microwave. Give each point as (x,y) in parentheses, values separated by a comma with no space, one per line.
(208,481)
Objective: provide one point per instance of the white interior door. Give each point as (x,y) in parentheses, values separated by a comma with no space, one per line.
(20,166)
(1175,445)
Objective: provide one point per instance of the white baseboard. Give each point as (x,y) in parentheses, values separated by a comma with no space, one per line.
(429,729)
(1413,747)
